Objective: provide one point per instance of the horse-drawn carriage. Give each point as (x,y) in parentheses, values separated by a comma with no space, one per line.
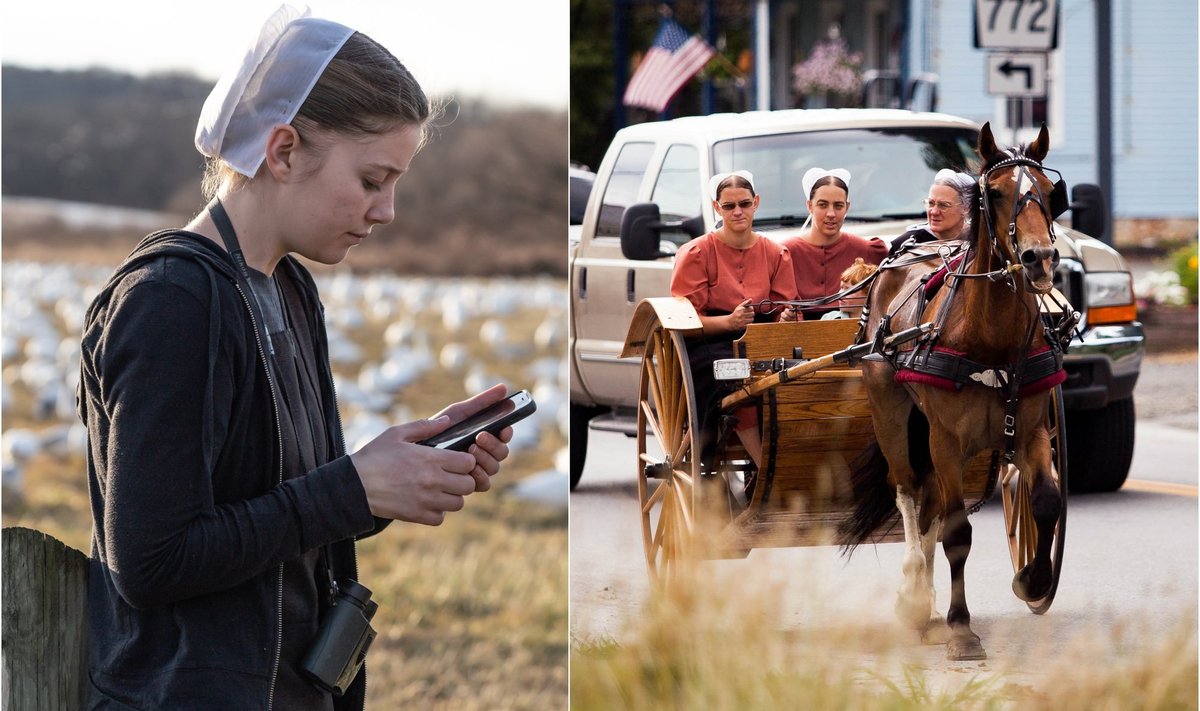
(833,415)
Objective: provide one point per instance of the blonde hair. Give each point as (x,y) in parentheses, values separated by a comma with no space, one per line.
(858,271)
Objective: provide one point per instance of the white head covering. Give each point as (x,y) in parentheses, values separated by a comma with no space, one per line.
(267,87)
(812,175)
(716,180)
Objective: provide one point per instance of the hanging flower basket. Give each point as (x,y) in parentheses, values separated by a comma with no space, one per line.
(830,76)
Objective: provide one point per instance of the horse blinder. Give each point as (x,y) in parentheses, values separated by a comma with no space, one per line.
(1060,202)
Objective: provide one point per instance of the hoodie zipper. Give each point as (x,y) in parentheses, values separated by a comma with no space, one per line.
(341,438)
(278,481)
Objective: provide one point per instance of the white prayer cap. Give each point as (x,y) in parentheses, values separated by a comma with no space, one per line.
(812,175)
(962,182)
(267,87)
(715,181)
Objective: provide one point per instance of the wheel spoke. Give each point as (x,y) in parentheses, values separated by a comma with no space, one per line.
(664,522)
(1006,473)
(1010,506)
(660,528)
(659,492)
(669,381)
(655,379)
(685,509)
(680,407)
(1029,533)
(686,477)
(654,427)
(685,446)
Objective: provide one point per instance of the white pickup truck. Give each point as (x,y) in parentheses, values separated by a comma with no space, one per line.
(661,170)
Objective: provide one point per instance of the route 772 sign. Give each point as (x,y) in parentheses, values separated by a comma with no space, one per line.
(1016,74)
(1029,25)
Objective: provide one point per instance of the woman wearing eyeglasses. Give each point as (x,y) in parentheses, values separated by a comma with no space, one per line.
(946,208)
(726,274)
(822,253)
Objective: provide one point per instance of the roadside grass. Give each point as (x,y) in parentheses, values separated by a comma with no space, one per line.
(473,613)
(698,645)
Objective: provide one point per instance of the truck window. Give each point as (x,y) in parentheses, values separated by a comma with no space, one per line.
(891,168)
(623,185)
(677,190)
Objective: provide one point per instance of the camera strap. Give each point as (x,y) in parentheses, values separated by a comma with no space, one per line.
(224,226)
(220,218)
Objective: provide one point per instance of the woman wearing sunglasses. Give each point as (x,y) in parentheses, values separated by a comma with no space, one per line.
(726,274)
(946,208)
(822,253)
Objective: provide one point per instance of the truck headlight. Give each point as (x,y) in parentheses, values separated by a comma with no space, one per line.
(1110,297)
(731,369)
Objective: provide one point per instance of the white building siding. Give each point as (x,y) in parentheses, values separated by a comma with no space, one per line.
(1154,108)
(1154,86)
(952,56)
(1073,145)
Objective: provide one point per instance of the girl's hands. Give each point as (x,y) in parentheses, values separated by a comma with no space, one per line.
(411,482)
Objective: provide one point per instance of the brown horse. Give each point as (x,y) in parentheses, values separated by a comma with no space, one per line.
(965,387)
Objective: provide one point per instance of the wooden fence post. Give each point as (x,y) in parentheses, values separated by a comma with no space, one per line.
(44,613)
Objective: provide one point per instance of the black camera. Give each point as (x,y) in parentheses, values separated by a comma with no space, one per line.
(340,647)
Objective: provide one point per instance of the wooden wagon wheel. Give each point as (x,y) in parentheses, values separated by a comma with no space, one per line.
(1018,512)
(669,474)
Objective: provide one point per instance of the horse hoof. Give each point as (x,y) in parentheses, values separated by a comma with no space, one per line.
(965,649)
(914,614)
(1029,586)
(936,632)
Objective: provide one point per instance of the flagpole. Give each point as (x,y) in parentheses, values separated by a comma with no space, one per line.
(708,103)
(762,49)
(620,62)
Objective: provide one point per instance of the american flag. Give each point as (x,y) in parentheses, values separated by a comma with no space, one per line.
(671,61)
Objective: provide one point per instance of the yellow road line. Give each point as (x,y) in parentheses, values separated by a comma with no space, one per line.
(1161,487)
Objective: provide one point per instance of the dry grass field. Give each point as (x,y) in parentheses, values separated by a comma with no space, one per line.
(702,646)
(473,614)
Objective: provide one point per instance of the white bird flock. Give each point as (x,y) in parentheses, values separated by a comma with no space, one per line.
(480,330)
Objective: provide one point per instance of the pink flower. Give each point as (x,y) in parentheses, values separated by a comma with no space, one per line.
(829,68)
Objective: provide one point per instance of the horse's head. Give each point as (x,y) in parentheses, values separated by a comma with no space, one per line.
(1019,206)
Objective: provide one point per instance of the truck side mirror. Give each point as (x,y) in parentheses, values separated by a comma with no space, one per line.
(642,228)
(1089,211)
(639,232)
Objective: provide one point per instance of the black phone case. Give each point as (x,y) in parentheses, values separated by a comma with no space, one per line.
(464,441)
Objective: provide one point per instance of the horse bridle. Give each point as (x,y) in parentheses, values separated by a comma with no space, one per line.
(1050,206)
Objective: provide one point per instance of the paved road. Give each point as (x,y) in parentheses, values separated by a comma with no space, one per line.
(1130,564)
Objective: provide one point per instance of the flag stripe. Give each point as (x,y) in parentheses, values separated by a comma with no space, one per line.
(671,61)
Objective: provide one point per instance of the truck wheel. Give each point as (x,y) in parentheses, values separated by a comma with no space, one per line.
(1100,446)
(581,415)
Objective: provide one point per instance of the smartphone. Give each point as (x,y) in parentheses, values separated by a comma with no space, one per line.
(459,437)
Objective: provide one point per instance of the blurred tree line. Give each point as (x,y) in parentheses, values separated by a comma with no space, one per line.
(487,194)
(595,105)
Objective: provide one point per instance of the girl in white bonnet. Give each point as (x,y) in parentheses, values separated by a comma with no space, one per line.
(225,506)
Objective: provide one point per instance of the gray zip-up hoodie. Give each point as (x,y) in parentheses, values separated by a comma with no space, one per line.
(192,520)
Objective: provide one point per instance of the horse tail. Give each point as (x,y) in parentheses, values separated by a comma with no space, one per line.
(874,499)
(874,496)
